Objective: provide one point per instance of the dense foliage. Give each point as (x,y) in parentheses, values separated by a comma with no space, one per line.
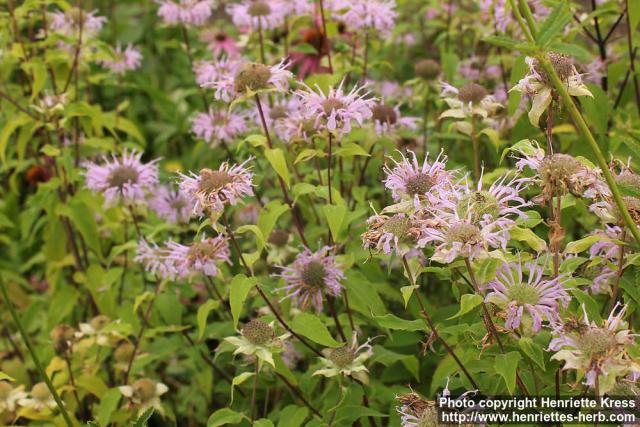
(296,212)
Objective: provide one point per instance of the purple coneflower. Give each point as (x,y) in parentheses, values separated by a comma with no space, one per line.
(371,15)
(123,178)
(199,257)
(212,189)
(123,60)
(257,14)
(221,125)
(251,76)
(536,297)
(597,352)
(186,12)
(335,111)
(171,205)
(311,276)
(409,179)
(387,119)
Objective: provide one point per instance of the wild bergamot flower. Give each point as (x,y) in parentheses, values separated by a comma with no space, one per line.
(144,394)
(538,84)
(258,338)
(347,360)
(599,353)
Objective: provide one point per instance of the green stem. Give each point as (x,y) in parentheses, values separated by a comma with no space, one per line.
(32,352)
(529,17)
(520,19)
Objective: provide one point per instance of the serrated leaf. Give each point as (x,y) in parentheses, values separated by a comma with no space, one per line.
(583,244)
(529,237)
(239,379)
(203,313)
(146,296)
(406,292)
(533,350)
(108,405)
(311,326)
(335,218)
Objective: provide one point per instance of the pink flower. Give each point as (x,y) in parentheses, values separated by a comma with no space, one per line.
(123,60)
(212,189)
(199,257)
(311,276)
(409,179)
(222,125)
(220,43)
(257,14)
(68,22)
(536,299)
(208,72)
(186,12)
(335,111)
(171,205)
(250,75)
(376,15)
(282,107)
(122,179)
(155,260)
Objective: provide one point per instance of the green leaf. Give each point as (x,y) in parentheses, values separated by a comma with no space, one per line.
(50,150)
(108,405)
(203,313)
(406,292)
(240,287)
(144,418)
(335,218)
(224,416)
(597,108)
(634,14)
(554,25)
(146,296)
(239,379)
(533,350)
(311,326)
(293,416)
(391,321)
(275,156)
(467,303)
(590,305)
(350,149)
(9,127)
(529,237)
(583,244)
(5,377)
(507,365)
(263,422)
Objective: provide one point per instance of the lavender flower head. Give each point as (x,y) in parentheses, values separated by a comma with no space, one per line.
(123,60)
(122,179)
(250,77)
(208,72)
(199,257)
(220,43)
(335,111)
(219,125)
(388,120)
(597,352)
(257,14)
(67,22)
(409,179)
(171,205)
(186,12)
(155,260)
(455,236)
(311,276)
(371,15)
(536,299)
(212,189)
